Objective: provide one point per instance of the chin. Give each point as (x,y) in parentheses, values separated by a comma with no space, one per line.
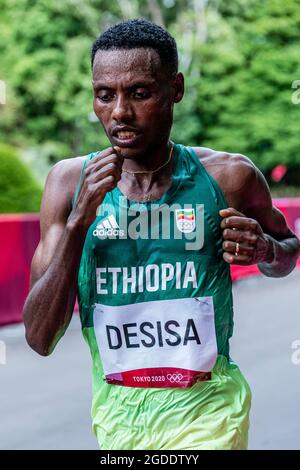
(131,153)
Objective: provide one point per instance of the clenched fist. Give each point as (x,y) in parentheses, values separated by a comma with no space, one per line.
(244,240)
(100,176)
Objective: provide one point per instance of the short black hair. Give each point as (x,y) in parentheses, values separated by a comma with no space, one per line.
(135,33)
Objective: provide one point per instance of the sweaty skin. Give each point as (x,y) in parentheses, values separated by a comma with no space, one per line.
(132,94)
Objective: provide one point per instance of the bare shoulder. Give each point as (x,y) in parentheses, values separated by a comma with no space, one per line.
(65,174)
(59,190)
(234,173)
(62,179)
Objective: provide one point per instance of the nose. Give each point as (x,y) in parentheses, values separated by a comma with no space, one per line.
(122,110)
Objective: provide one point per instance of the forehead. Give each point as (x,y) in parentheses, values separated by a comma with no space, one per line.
(127,63)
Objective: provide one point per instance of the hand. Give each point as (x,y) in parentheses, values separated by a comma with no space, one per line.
(100,176)
(244,240)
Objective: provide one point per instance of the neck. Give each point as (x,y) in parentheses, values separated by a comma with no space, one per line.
(150,161)
(149,185)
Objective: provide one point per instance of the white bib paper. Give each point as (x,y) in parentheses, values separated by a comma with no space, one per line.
(162,343)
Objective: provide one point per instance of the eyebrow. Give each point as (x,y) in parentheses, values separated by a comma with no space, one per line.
(139,83)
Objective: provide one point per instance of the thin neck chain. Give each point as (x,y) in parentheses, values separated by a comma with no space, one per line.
(156,169)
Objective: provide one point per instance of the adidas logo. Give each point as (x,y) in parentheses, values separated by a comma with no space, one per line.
(108,227)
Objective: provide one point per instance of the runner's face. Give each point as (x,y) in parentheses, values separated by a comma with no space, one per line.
(132,91)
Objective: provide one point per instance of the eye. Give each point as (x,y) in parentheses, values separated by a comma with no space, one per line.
(141,94)
(104,97)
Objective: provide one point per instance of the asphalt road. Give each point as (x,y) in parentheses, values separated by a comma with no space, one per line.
(45,402)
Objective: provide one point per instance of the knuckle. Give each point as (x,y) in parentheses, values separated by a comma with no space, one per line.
(115,158)
(87,170)
(253,224)
(111,166)
(90,192)
(105,153)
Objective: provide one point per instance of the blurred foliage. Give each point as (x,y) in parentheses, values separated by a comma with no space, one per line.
(19,192)
(247,71)
(239,58)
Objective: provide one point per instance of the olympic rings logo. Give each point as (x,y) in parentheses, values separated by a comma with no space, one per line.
(186,224)
(174,378)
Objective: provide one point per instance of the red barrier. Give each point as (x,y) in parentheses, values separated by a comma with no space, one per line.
(290,207)
(19,236)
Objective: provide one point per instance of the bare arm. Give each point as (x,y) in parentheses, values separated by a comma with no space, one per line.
(49,306)
(259,227)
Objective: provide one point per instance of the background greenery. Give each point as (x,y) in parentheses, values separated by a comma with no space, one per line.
(19,191)
(240,58)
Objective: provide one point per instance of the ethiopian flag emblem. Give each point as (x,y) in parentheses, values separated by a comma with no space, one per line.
(185,220)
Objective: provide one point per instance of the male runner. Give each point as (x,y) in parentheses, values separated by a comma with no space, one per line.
(156,310)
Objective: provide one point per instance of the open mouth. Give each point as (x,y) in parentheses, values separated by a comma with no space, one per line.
(126,135)
(126,138)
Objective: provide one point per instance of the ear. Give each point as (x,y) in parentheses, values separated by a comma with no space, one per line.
(178,85)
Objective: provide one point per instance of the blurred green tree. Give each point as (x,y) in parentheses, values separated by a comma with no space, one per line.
(247,69)
(19,192)
(239,57)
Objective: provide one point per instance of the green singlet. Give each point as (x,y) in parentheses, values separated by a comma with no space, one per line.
(155,299)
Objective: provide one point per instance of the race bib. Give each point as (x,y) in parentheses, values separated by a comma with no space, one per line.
(161,344)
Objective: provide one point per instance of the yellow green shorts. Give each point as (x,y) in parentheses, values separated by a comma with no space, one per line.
(209,415)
